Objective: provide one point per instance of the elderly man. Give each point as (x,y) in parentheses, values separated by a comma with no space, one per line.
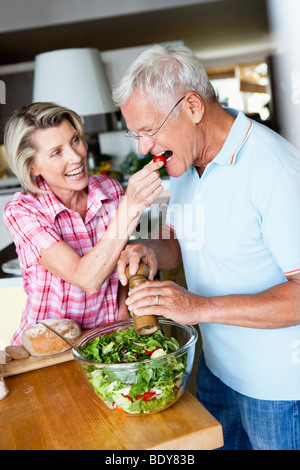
(233,221)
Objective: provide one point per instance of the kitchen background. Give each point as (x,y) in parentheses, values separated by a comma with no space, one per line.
(246,46)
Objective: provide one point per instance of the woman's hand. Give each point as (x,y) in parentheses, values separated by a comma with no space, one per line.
(166,299)
(144,187)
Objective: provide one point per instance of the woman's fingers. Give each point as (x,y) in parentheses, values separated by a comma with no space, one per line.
(145,185)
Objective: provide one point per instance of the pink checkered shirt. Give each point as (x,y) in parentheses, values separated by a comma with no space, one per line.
(39,222)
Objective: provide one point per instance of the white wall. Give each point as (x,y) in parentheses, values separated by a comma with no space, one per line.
(117,61)
(13,302)
(284,17)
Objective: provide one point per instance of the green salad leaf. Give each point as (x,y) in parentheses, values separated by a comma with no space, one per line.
(146,388)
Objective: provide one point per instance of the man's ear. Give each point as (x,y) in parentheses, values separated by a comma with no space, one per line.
(195,106)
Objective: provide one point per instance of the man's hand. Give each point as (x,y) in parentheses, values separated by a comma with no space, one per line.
(132,256)
(166,299)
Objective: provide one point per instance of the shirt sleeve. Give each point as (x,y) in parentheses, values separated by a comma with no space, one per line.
(30,230)
(280,219)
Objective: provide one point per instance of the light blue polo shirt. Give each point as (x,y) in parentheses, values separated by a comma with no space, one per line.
(239,231)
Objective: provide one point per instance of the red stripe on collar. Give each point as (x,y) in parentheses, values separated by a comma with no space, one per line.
(232,161)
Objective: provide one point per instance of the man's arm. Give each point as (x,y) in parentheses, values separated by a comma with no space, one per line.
(277,307)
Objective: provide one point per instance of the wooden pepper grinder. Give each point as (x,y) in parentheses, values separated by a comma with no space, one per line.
(146,324)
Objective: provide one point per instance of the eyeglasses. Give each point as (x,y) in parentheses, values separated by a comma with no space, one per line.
(134,135)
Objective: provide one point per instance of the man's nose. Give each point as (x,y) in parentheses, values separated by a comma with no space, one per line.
(144,145)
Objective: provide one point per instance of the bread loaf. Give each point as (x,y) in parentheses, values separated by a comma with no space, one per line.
(38,340)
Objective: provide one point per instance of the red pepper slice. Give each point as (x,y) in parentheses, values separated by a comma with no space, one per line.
(147,396)
(151,352)
(127,396)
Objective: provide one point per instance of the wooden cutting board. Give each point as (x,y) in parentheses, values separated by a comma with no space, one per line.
(19,366)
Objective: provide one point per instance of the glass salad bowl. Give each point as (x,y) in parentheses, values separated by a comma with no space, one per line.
(137,374)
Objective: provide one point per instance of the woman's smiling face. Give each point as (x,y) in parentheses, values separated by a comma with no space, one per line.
(61,158)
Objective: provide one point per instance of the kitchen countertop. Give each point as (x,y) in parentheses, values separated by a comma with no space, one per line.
(53,409)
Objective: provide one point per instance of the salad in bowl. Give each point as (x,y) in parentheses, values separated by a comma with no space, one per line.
(137,374)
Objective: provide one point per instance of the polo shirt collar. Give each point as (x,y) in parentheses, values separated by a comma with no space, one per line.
(236,138)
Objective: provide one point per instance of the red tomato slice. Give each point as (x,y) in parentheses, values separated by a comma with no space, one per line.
(159,158)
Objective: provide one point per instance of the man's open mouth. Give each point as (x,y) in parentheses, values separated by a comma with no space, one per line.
(168,154)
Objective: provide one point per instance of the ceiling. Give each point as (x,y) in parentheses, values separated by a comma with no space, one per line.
(203,26)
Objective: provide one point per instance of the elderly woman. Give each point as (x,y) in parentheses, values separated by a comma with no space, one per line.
(69,227)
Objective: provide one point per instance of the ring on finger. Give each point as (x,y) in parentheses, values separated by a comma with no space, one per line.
(157,300)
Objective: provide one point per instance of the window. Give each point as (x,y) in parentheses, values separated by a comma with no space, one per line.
(244,87)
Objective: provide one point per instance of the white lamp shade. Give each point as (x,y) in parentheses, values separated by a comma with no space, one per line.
(74,78)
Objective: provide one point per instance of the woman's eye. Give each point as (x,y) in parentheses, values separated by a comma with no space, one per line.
(76,139)
(56,153)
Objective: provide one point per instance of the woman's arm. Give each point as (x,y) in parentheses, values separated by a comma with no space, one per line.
(91,270)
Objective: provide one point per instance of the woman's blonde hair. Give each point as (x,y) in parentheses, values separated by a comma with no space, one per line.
(18,142)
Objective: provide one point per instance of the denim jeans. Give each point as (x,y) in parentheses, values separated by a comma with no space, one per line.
(248,423)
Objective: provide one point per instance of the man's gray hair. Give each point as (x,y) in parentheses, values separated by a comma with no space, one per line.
(164,71)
